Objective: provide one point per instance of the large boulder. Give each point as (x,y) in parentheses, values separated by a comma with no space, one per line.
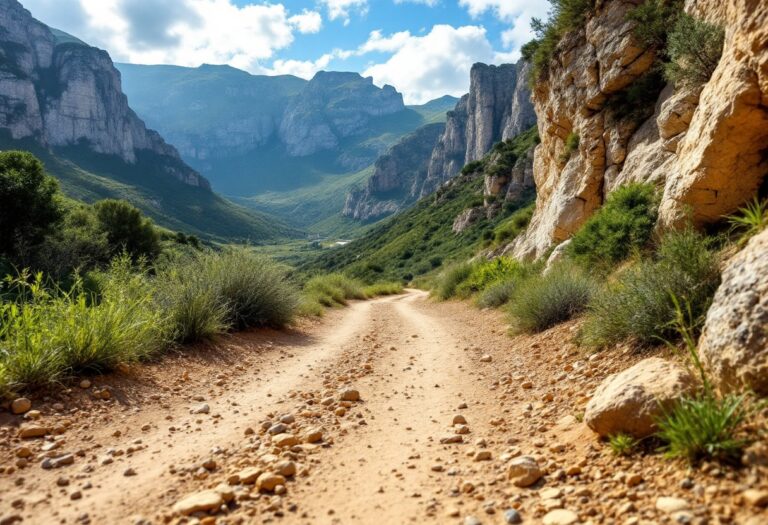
(629,402)
(734,345)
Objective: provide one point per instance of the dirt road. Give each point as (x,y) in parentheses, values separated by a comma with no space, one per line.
(200,420)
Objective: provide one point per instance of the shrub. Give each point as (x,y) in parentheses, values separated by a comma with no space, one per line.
(694,48)
(127,229)
(750,220)
(641,306)
(622,444)
(328,291)
(653,20)
(485,273)
(49,334)
(703,427)
(197,309)
(571,146)
(450,279)
(542,301)
(500,292)
(255,289)
(379,289)
(508,230)
(29,206)
(472,167)
(622,225)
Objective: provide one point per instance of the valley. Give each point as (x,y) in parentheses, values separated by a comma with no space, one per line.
(245,282)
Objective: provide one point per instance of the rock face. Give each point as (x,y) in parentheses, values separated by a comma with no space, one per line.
(498,107)
(63,93)
(734,345)
(629,402)
(334,106)
(705,147)
(398,177)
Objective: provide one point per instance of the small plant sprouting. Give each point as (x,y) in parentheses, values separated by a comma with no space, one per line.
(571,145)
(622,444)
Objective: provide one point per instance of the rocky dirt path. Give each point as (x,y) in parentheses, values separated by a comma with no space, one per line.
(398,410)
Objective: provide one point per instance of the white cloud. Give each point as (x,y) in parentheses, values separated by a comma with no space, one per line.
(341,9)
(307,21)
(517,13)
(430,66)
(182,32)
(430,3)
(379,43)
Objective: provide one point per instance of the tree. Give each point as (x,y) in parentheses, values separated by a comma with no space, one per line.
(127,229)
(29,204)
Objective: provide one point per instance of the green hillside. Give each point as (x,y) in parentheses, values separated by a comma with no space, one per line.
(90,177)
(421,239)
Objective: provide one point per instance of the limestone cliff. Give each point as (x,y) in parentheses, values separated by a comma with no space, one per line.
(63,93)
(705,147)
(497,107)
(398,177)
(334,106)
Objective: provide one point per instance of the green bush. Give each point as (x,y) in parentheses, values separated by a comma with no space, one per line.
(641,305)
(694,48)
(127,229)
(379,289)
(197,309)
(623,225)
(542,301)
(704,426)
(329,291)
(653,20)
(29,205)
(513,226)
(450,279)
(486,273)
(48,335)
(255,290)
(500,292)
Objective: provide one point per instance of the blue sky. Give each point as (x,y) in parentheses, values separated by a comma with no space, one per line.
(423,47)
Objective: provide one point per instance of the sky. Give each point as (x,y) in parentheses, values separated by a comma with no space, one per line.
(425,48)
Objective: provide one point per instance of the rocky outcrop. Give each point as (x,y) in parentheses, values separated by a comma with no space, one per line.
(498,107)
(734,344)
(398,177)
(334,106)
(66,94)
(705,147)
(629,402)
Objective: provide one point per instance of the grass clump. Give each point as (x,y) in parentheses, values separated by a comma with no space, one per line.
(704,427)
(750,220)
(449,281)
(694,48)
(485,273)
(510,228)
(639,305)
(49,334)
(571,146)
(623,225)
(381,289)
(542,301)
(325,291)
(622,444)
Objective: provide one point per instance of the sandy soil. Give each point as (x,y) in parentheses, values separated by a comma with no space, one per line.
(416,365)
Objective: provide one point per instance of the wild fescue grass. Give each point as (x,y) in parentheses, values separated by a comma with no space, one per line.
(47,335)
(704,425)
(450,279)
(750,220)
(211,293)
(499,292)
(542,301)
(622,444)
(382,289)
(638,304)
